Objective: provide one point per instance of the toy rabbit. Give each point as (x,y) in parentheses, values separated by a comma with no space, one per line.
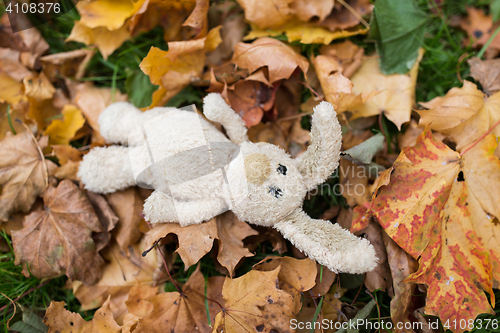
(197,173)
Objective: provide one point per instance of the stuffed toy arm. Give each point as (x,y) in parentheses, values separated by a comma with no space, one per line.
(328,243)
(217,110)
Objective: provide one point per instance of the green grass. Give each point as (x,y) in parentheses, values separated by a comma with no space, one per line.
(445,57)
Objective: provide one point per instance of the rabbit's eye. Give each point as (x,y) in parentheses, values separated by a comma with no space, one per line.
(276,192)
(281,169)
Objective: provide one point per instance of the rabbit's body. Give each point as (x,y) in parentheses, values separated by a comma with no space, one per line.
(198,173)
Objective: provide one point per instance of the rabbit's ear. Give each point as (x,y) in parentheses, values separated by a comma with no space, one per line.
(328,243)
(217,110)
(323,155)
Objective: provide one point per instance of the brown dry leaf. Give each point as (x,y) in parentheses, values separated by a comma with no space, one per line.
(197,240)
(128,205)
(266,234)
(324,281)
(329,312)
(60,320)
(479,27)
(308,9)
(353,182)
(232,32)
(251,99)
(401,265)
(341,18)
(251,300)
(107,218)
(92,101)
(280,59)
(396,92)
(44,111)
(137,303)
(28,42)
(57,239)
(487,72)
(463,114)
(67,153)
(265,14)
(23,172)
(175,312)
(296,275)
(67,64)
(10,63)
(174,69)
(380,277)
(348,55)
(269,132)
(121,272)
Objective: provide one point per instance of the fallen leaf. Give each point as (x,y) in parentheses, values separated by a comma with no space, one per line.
(11,91)
(92,101)
(487,72)
(269,132)
(308,9)
(280,59)
(174,69)
(342,18)
(479,27)
(251,300)
(353,183)
(127,205)
(463,114)
(396,92)
(197,240)
(38,87)
(67,64)
(401,265)
(347,54)
(67,153)
(61,132)
(446,221)
(107,218)
(10,63)
(380,277)
(304,33)
(57,239)
(60,320)
(107,13)
(105,40)
(178,312)
(119,275)
(23,172)
(14,113)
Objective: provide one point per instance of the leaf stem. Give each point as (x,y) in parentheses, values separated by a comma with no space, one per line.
(482,137)
(10,121)
(485,46)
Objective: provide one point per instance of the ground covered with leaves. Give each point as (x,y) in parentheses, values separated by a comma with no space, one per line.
(416,88)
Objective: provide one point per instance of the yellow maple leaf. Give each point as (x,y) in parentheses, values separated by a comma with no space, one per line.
(305,33)
(61,132)
(396,92)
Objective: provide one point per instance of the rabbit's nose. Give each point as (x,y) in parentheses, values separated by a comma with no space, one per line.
(257,168)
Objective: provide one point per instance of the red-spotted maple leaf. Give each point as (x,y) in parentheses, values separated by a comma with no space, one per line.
(442,208)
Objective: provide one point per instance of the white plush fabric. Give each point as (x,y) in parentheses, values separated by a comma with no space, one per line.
(197,173)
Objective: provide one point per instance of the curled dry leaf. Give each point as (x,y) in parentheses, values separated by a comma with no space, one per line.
(487,72)
(38,87)
(127,204)
(463,114)
(174,69)
(251,300)
(121,272)
(60,320)
(347,54)
(61,132)
(447,221)
(23,172)
(107,218)
(57,239)
(178,312)
(280,59)
(197,240)
(396,92)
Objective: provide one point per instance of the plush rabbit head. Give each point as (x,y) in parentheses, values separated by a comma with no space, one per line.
(178,154)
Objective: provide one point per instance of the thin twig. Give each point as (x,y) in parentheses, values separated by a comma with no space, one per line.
(354,12)
(482,137)
(24,294)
